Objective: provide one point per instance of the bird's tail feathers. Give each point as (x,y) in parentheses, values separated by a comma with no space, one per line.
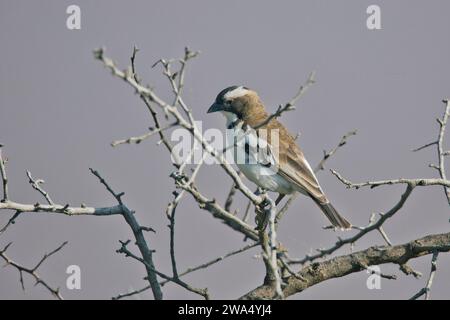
(335,218)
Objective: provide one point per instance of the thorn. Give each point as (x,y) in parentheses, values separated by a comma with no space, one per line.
(148,229)
(98,53)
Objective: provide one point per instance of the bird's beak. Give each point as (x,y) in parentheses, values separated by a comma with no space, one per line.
(215,107)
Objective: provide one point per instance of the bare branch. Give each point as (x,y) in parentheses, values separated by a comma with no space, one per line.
(33,271)
(327,155)
(147,254)
(285,207)
(363,231)
(424,146)
(36,184)
(3,176)
(190,270)
(139,139)
(270,251)
(147,103)
(440,147)
(10,222)
(123,249)
(230,197)
(343,265)
(131,293)
(218,212)
(426,291)
(62,209)
(214,261)
(374,184)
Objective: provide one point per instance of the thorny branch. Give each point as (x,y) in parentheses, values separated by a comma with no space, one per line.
(141,243)
(32,271)
(36,184)
(426,291)
(123,249)
(440,147)
(328,154)
(139,139)
(120,209)
(318,272)
(3,176)
(191,269)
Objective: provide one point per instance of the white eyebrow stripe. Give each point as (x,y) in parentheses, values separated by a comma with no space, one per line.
(238,92)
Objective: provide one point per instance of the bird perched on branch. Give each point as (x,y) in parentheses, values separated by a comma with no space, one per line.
(266,153)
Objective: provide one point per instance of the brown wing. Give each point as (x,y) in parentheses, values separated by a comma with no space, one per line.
(295,168)
(292,163)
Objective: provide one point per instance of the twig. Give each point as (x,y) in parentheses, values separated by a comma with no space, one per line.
(147,103)
(141,243)
(289,105)
(218,212)
(384,235)
(406,269)
(33,271)
(3,176)
(269,246)
(440,147)
(130,294)
(231,193)
(364,230)
(426,291)
(424,146)
(36,184)
(285,207)
(374,184)
(139,139)
(327,155)
(247,211)
(190,270)
(123,249)
(171,210)
(230,197)
(11,221)
(214,261)
(61,209)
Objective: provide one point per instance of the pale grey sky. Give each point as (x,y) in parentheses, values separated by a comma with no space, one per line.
(60,109)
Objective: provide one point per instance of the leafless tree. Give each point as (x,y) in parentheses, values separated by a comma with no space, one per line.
(285,275)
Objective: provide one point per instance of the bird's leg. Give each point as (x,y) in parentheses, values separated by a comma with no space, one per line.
(261,218)
(280,197)
(259,191)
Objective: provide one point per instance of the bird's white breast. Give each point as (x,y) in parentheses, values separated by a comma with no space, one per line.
(258,169)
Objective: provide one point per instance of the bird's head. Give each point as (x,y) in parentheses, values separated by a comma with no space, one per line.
(237,102)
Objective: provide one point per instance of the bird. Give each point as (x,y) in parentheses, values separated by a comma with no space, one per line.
(281,167)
